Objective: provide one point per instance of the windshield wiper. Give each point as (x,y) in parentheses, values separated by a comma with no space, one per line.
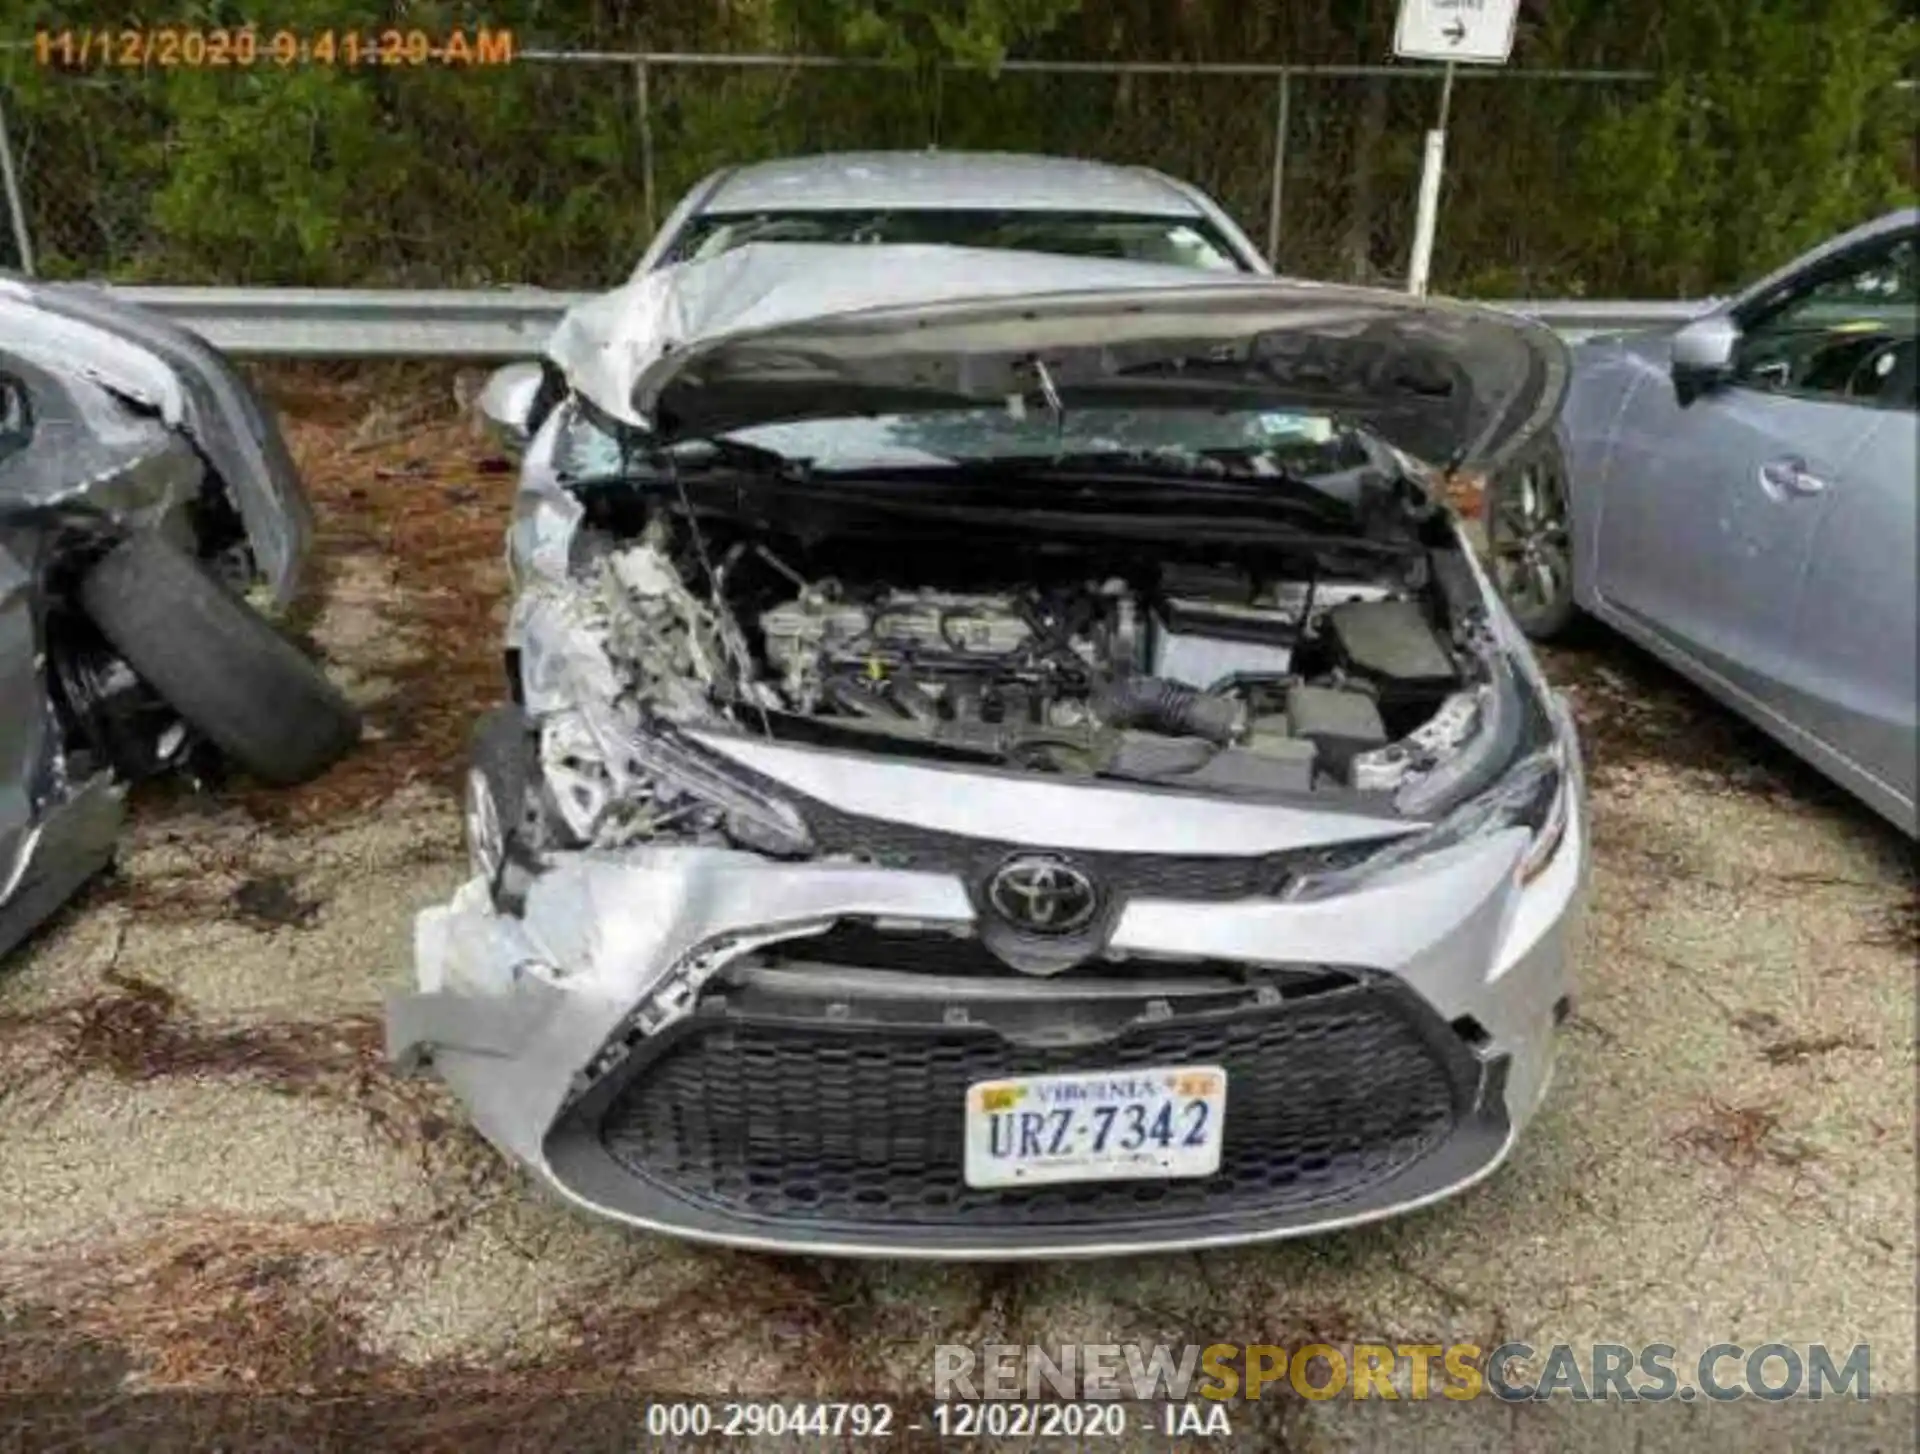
(642,457)
(736,454)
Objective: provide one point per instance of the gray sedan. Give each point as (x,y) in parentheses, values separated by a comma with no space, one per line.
(1738,496)
(143,487)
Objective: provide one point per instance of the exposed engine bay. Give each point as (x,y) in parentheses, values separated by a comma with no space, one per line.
(1261,670)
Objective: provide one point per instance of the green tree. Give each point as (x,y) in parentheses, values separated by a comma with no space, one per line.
(1776,123)
(974,32)
(1771,124)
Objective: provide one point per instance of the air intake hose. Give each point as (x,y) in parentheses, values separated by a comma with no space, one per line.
(1155,704)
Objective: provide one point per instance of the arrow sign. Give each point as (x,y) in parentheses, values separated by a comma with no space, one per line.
(1474,32)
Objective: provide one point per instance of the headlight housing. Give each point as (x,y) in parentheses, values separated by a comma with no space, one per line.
(1518,772)
(613,784)
(753,819)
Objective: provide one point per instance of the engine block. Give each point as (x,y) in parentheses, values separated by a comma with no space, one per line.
(818,629)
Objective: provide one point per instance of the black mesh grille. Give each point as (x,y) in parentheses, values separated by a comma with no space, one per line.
(762,1115)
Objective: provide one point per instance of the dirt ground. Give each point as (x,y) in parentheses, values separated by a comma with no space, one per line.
(210,1182)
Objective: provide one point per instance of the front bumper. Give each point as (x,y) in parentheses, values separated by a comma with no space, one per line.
(683,1040)
(815,1116)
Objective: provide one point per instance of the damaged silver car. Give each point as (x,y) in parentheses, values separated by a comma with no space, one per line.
(1008,758)
(143,489)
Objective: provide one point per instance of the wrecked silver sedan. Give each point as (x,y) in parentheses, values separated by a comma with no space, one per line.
(143,487)
(1007,758)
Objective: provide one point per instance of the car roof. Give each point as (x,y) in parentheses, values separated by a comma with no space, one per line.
(1892,224)
(950,181)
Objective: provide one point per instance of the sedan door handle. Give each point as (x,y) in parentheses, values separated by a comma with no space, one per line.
(1783,477)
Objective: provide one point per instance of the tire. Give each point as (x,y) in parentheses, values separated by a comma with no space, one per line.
(217,662)
(496,803)
(1529,527)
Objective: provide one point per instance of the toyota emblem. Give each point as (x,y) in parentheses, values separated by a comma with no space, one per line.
(1042,895)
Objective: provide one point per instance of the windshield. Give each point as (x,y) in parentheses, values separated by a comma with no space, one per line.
(1180,241)
(1268,441)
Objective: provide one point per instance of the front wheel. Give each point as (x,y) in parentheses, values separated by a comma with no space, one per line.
(1530,541)
(497,804)
(216,662)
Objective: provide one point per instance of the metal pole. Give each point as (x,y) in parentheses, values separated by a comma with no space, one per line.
(16,210)
(939,102)
(1282,99)
(645,96)
(1427,214)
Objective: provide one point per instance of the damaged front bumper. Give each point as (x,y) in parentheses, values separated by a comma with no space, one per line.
(711,1044)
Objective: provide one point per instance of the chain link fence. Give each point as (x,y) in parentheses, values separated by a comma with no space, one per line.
(555,169)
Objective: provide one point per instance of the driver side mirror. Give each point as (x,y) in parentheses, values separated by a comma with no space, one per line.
(507,402)
(1702,358)
(16,414)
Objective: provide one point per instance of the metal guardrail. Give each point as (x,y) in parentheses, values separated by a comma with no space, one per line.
(363,322)
(349,323)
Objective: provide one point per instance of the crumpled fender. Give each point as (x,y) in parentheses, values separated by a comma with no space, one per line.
(188,385)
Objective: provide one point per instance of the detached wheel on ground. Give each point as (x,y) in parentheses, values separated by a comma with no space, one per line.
(217,662)
(1530,542)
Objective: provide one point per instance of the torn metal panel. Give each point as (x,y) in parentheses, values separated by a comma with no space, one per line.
(94,454)
(600,935)
(163,367)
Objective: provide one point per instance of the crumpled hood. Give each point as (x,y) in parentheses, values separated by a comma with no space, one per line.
(783,331)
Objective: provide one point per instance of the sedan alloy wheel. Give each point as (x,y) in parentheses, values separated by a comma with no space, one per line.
(1530,538)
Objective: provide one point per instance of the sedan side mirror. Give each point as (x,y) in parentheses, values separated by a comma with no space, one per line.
(1702,358)
(507,402)
(16,414)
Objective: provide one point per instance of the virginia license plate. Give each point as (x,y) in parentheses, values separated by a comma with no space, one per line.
(1119,1125)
